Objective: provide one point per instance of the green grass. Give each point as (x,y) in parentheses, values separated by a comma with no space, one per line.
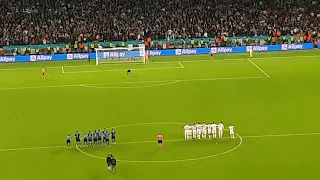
(40,113)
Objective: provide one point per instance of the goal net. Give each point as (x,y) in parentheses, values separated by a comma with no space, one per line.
(118,55)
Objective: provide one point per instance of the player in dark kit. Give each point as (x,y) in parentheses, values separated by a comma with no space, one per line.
(68,141)
(128,73)
(113,164)
(104,135)
(99,138)
(109,162)
(113,136)
(77,137)
(90,138)
(95,138)
(106,138)
(85,140)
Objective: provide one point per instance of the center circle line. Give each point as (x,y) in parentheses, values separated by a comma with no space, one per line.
(164,161)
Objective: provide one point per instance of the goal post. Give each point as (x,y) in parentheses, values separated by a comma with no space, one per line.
(120,55)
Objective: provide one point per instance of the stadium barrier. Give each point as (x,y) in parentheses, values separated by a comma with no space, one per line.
(164,41)
(167,52)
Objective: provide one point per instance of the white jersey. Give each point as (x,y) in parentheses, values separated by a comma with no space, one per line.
(220,127)
(204,128)
(231,129)
(194,128)
(209,127)
(199,128)
(185,128)
(214,127)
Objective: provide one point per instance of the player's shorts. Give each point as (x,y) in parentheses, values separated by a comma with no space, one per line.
(95,139)
(128,71)
(68,141)
(85,140)
(43,74)
(113,137)
(78,140)
(90,140)
(159,141)
(99,139)
(211,55)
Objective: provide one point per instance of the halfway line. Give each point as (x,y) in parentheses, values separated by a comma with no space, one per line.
(172,140)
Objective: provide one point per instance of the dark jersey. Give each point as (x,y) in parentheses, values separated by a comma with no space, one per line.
(90,135)
(113,161)
(109,160)
(106,136)
(113,133)
(77,135)
(99,135)
(68,139)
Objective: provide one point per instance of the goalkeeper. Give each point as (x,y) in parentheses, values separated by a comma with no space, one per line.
(128,73)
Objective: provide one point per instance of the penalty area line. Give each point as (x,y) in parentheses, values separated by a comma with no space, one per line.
(258,68)
(181,64)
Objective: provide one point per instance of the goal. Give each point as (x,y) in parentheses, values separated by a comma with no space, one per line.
(119,55)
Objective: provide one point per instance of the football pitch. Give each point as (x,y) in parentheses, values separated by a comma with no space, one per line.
(272,100)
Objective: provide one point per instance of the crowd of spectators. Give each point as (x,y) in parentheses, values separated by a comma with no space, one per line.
(59,21)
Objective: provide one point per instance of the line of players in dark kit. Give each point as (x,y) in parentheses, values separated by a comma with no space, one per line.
(96,138)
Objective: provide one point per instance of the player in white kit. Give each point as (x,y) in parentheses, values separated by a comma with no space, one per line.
(204,130)
(199,130)
(214,130)
(185,128)
(231,130)
(209,127)
(220,128)
(194,131)
(189,131)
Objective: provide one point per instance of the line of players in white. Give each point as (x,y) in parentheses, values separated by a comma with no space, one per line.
(203,131)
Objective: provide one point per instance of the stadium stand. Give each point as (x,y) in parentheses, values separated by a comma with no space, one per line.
(62,21)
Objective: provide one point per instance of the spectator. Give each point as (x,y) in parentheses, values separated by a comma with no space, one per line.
(65,21)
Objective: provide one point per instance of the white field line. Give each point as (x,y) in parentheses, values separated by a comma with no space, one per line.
(139,82)
(181,64)
(282,135)
(163,62)
(31,148)
(258,68)
(62,69)
(112,70)
(128,87)
(172,140)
